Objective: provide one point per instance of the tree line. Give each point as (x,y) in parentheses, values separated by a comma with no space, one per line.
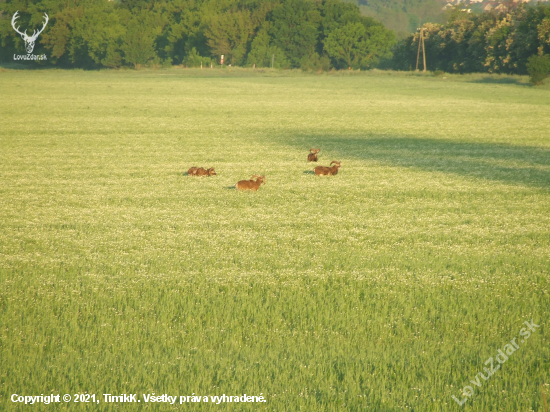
(516,41)
(311,34)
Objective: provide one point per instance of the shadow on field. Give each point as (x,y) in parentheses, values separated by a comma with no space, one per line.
(505,80)
(309,172)
(230,187)
(525,165)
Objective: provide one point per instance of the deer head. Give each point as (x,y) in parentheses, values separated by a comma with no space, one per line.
(29,40)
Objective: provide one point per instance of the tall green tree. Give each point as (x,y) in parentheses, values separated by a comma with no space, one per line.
(295,29)
(87,36)
(264,53)
(358,46)
(59,39)
(184,32)
(347,44)
(138,46)
(229,34)
(335,14)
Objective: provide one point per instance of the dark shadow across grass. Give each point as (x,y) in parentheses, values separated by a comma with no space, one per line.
(504,80)
(498,162)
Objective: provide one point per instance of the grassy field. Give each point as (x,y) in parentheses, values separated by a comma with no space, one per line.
(384,288)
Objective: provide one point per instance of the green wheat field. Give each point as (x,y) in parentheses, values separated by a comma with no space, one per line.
(384,288)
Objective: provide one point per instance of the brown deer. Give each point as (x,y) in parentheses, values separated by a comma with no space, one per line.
(328,171)
(251,184)
(192,171)
(201,171)
(312,157)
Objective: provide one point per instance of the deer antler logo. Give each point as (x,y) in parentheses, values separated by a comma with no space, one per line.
(29,40)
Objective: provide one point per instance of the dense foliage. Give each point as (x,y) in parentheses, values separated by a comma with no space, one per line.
(403,16)
(283,33)
(538,68)
(486,42)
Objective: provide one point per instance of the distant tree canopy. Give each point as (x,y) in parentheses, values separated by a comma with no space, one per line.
(312,34)
(485,42)
(403,16)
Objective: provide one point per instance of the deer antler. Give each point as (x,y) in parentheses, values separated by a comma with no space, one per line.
(15,17)
(34,33)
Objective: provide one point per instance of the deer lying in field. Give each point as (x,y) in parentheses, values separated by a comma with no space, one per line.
(312,157)
(201,171)
(251,184)
(328,171)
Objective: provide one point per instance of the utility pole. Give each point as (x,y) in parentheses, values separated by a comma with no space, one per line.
(423,49)
(421,42)
(272,60)
(418,52)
